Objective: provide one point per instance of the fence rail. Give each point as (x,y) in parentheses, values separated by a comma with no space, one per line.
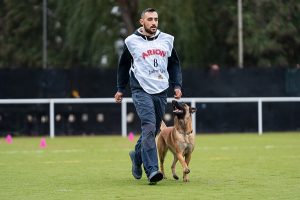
(192,101)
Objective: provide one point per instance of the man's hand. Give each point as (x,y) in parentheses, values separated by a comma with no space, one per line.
(118,97)
(178,93)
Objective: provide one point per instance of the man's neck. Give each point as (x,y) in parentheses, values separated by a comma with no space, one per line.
(142,31)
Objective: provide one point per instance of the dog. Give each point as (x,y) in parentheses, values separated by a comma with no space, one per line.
(179,139)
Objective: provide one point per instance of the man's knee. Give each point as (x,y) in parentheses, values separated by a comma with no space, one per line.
(148,128)
(148,136)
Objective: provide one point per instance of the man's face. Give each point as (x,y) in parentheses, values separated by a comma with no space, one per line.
(150,22)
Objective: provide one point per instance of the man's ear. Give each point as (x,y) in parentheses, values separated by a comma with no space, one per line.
(142,22)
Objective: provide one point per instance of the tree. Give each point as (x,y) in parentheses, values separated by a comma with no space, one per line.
(85,32)
(128,9)
(271,33)
(200,28)
(90,30)
(20,26)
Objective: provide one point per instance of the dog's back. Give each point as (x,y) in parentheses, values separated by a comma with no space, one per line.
(164,139)
(163,125)
(165,132)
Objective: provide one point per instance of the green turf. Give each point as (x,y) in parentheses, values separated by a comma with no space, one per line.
(229,166)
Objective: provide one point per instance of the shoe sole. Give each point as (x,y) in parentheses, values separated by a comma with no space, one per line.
(156,178)
(131,155)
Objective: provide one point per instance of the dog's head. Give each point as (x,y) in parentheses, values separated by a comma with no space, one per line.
(182,109)
(183,117)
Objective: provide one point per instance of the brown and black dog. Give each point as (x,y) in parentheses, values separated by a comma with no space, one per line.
(179,139)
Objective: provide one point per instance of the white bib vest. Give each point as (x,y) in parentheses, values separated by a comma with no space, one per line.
(150,60)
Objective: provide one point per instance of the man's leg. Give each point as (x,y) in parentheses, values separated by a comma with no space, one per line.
(136,160)
(145,108)
(160,102)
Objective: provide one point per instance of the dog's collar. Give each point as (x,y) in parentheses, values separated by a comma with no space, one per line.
(186,133)
(190,132)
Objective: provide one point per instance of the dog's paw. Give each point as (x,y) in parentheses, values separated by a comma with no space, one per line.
(187,170)
(175,176)
(186,180)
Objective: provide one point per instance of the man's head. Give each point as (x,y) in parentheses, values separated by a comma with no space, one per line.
(149,21)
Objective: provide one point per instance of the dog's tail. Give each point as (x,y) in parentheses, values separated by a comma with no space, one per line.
(162,125)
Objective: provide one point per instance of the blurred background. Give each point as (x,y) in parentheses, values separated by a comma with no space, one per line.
(70,49)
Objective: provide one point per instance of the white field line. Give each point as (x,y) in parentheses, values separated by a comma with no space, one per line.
(227,148)
(58,151)
(197,148)
(62,162)
(64,190)
(42,151)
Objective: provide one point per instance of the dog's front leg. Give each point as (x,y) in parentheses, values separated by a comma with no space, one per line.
(186,170)
(174,167)
(162,149)
(185,177)
(187,160)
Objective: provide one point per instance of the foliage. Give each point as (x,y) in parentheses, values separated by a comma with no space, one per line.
(271,33)
(85,32)
(89,31)
(21,33)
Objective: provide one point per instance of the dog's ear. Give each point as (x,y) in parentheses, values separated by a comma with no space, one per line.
(193,110)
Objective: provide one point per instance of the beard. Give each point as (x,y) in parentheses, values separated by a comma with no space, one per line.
(150,30)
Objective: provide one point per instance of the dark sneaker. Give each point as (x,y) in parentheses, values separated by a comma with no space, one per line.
(136,169)
(155,177)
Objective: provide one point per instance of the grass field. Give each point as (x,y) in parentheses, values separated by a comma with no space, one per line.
(226,166)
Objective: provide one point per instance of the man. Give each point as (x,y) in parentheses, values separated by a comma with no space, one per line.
(150,62)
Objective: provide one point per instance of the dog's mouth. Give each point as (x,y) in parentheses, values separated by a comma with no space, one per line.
(178,108)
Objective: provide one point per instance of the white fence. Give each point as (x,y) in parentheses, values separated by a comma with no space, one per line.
(192,101)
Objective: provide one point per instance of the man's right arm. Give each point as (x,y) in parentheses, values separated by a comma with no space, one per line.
(123,70)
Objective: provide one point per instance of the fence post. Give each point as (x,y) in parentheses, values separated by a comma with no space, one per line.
(193,104)
(123,117)
(260,123)
(52,121)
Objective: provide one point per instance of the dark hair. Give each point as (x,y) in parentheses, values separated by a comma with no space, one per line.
(147,10)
